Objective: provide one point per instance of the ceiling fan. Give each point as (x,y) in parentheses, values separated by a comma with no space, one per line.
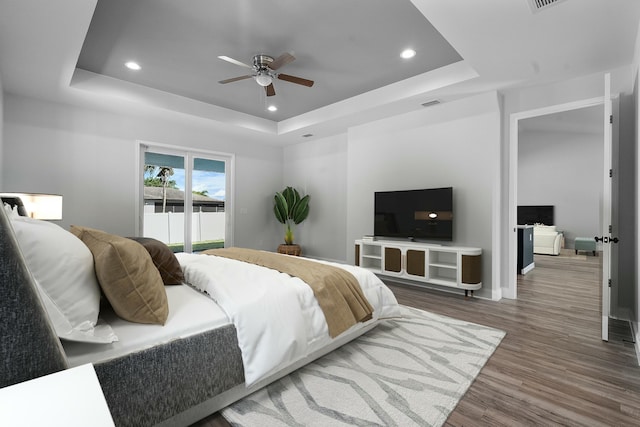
(264,71)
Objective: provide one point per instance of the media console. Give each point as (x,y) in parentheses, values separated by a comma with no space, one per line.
(452,266)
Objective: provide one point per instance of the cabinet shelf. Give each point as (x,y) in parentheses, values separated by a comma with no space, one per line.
(443,265)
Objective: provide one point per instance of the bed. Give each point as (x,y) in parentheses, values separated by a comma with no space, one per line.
(198,351)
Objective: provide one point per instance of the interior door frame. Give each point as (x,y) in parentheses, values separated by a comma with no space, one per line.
(511,291)
(606,215)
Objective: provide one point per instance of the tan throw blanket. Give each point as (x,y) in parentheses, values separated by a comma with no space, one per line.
(338,293)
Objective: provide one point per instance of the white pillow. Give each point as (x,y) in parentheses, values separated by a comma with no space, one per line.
(63,269)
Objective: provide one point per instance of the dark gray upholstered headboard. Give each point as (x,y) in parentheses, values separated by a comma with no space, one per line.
(29,347)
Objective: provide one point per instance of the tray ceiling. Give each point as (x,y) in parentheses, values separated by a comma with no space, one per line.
(346,48)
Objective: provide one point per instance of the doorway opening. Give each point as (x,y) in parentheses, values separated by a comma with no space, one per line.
(607,201)
(515,122)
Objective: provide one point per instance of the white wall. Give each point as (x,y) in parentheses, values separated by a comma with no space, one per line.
(80,147)
(563,169)
(453,144)
(88,156)
(319,168)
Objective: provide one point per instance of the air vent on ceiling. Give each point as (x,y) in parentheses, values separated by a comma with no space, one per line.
(538,5)
(430,103)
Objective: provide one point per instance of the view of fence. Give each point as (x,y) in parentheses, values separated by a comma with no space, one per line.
(169,227)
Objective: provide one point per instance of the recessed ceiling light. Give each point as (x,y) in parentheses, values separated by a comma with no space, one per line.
(272,108)
(408,53)
(133,65)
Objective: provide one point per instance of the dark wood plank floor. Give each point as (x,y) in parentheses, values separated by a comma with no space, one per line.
(552,368)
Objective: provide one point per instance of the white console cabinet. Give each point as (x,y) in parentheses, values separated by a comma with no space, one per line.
(452,266)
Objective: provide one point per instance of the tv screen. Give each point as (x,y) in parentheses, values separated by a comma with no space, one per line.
(542,214)
(419,214)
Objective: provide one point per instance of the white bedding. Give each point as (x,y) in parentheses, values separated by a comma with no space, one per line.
(190,313)
(277,318)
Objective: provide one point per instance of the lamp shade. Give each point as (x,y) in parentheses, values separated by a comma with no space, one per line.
(40,206)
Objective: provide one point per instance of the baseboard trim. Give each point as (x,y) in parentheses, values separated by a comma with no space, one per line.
(528,268)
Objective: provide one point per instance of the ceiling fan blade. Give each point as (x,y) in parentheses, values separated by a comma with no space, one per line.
(294,79)
(234,61)
(235,79)
(270,90)
(281,60)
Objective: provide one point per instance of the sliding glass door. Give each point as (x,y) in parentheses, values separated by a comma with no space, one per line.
(184,198)
(208,194)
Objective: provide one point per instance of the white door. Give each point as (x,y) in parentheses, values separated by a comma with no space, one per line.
(605,235)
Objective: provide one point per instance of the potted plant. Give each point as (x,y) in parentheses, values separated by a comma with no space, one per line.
(290,209)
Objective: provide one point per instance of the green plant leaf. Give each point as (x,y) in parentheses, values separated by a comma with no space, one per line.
(301,210)
(292,197)
(280,208)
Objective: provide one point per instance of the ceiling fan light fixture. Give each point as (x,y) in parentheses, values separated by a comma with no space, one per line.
(264,79)
(264,72)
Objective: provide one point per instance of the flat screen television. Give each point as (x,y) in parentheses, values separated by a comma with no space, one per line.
(540,214)
(425,214)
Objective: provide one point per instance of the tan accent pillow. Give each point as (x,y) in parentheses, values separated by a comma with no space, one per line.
(127,276)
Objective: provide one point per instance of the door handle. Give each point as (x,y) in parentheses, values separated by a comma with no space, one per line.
(606,239)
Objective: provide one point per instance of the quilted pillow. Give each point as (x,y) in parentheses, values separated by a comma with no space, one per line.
(63,270)
(127,276)
(164,260)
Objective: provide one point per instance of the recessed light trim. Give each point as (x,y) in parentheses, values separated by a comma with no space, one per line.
(408,54)
(132,65)
(272,108)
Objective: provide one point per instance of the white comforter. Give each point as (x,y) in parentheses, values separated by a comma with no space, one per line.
(277,318)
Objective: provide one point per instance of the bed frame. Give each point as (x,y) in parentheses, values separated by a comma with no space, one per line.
(144,388)
(174,384)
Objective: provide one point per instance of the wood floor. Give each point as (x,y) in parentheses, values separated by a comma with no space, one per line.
(551,368)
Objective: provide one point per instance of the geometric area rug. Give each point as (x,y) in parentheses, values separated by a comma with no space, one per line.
(409,371)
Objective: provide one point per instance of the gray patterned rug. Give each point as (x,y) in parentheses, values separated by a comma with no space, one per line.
(409,371)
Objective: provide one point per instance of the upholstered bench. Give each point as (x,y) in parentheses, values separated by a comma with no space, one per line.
(585,244)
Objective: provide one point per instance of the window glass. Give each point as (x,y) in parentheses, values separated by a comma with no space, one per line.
(184,200)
